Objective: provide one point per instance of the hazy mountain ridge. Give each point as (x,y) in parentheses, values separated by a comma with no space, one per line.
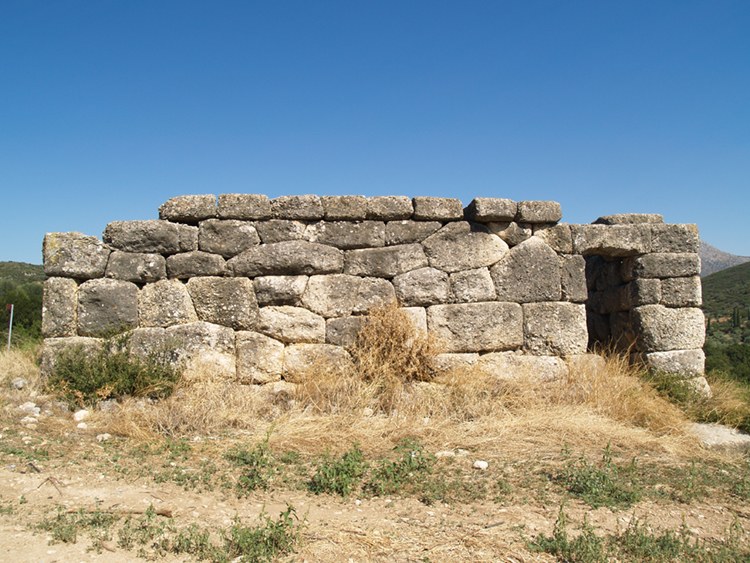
(20,272)
(714,260)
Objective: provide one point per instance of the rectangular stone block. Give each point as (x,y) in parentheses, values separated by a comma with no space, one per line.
(107,306)
(491,209)
(279,290)
(472,286)
(291,324)
(281,230)
(385,262)
(348,234)
(294,257)
(573,282)
(643,292)
(227,237)
(661,265)
(59,307)
(151,236)
(389,208)
(513,365)
(260,359)
(407,232)
(555,329)
(299,207)
(675,238)
(477,327)
(630,219)
(681,292)
(224,301)
(73,255)
(437,209)
(189,264)
(662,329)
(344,207)
(686,363)
(538,212)
(136,267)
(202,346)
(252,207)
(344,330)
(558,237)
(188,208)
(611,240)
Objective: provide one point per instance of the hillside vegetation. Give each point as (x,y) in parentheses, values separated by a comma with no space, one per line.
(21,285)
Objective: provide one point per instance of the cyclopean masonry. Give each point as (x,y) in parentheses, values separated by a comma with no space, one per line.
(261,288)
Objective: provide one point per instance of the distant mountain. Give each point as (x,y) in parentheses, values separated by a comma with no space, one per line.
(20,273)
(714,260)
(727,289)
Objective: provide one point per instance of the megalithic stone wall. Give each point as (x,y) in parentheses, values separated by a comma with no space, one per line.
(261,288)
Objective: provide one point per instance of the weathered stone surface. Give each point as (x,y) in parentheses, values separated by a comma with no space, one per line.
(348,234)
(528,272)
(74,255)
(681,292)
(446,363)
(59,307)
(661,265)
(463,246)
(407,232)
(136,267)
(107,306)
(425,286)
(472,286)
(675,238)
(244,206)
(491,209)
(511,232)
(224,301)
(279,290)
(389,208)
(373,292)
(558,237)
(573,279)
(555,329)
(343,331)
(512,365)
(53,347)
(417,316)
(477,327)
(643,292)
(344,207)
(280,230)
(260,359)
(385,262)
(662,329)
(196,263)
(165,303)
(187,236)
(611,240)
(688,363)
(293,257)
(630,219)
(538,212)
(718,436)
(227,237)
(331,296)
(304,360)
(148,343)
(188,208)
(151,236)
(437,209)
(300,207)
(204,346)
(291,324)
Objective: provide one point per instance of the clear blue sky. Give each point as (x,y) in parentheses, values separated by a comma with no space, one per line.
(108,108)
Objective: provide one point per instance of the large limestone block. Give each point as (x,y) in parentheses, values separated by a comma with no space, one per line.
(437,209)
(279,290)
(611,240)
(151,236)
(407,232)
(196,263)
(417,316)
(687,363)
(681,292)
(425,286)
(446,363)
(538,212)
(74,255)
(107,306)
(528,272)
(299,207)
(662,265)
(294,257)
(559,237)
(188,208)
(373,292)
(253,207)
(280,230)
(59,307)
(348,234)
(204,346)
(137,267)
(343,331)
(555,329)
(304,360)
(630,219)
(344,207)
(150,343)
(227,237)
(291,324)
(491,209)
(260,359)
(331,296)
(643,292)
(53,347)
(477,327)
(675,238)
(661,329)
(385,262)
(463,246)
(389,208)
(573,279)
(511,232)
(471,286)
(165,303)
(224,301)
(512,365)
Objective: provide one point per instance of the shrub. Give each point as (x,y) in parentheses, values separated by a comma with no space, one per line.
(339,476)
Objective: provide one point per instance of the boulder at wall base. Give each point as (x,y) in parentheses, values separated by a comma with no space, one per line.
(477,327)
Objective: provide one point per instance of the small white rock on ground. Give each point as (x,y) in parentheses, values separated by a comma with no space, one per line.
(718,436)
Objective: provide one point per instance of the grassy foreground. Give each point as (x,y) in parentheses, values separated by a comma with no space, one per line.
(377,462)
